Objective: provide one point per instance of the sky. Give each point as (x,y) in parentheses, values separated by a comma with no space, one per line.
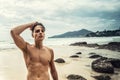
(60,16)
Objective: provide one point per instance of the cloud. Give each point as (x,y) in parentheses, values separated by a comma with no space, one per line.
(66,15)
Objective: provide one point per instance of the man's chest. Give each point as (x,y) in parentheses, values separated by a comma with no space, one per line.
(42,56)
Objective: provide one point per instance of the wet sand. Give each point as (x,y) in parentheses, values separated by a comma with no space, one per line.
(12,66)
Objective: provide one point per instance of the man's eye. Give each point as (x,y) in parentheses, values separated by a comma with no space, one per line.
(42,30)
(37,31)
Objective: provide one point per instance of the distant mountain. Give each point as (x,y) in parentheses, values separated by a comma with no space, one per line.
(104,33)
(79,33)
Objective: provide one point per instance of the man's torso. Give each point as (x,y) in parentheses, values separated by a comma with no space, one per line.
(37,62)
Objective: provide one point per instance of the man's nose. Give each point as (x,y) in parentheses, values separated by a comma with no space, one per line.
(40,32)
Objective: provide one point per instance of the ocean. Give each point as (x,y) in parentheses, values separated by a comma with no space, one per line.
(9,44)
(67,41)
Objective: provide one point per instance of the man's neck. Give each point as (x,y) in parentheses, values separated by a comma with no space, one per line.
(39,45)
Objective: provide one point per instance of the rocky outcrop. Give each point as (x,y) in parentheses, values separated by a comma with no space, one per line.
(75,77)
(115,46)
(60,60)
(100,65)
(78,53)
(92,53)
(84,44)
(114,62)
(95,56)
(105,65)
(74,56)
(102,77)
(79,44)
(92,45)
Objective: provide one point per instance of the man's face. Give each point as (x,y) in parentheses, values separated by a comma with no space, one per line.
(38,33)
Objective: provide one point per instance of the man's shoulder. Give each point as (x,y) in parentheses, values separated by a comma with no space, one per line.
(28,45)
(48,48)
(51,52)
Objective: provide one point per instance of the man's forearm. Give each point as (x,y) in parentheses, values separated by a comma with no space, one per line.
(55,75)
(19,29)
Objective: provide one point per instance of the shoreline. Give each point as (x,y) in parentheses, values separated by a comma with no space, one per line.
(12,64)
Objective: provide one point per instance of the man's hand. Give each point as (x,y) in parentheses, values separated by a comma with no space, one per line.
(34,23)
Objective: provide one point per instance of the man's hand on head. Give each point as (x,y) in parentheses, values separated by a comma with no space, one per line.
(34,23)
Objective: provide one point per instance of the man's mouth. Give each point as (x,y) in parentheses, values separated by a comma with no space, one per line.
(40,36)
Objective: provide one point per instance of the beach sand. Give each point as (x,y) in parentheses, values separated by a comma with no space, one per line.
(12,65)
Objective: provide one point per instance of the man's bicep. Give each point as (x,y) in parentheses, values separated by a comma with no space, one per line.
(19,41)
(52,66)
(52,60)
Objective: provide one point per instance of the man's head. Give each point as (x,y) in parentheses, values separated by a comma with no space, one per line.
(33,27)
(38,31)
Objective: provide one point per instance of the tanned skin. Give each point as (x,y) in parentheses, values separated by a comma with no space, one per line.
(38,58)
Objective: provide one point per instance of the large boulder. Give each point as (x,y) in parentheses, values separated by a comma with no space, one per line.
(79,44)
(102,77)
(84,44)
(95,56)
(60,60)
(103,66)
(114,62)
(114,43)
(74,56)
(75,77)
(92,53)
(92,45)
(115,46)
(78,53)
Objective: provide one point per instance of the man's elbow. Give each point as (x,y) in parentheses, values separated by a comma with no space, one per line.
(12,31)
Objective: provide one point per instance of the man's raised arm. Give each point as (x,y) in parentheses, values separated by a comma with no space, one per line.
(15,33)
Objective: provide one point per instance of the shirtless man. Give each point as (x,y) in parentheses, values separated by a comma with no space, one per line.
(38,58)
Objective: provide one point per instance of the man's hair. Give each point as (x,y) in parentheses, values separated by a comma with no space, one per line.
(33,27)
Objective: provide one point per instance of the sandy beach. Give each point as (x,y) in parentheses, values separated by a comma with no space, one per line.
(12,66)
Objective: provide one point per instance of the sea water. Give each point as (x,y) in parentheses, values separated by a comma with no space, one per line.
(89,40)
(9,43)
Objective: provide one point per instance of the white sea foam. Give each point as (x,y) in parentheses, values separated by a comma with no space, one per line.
(6,44)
